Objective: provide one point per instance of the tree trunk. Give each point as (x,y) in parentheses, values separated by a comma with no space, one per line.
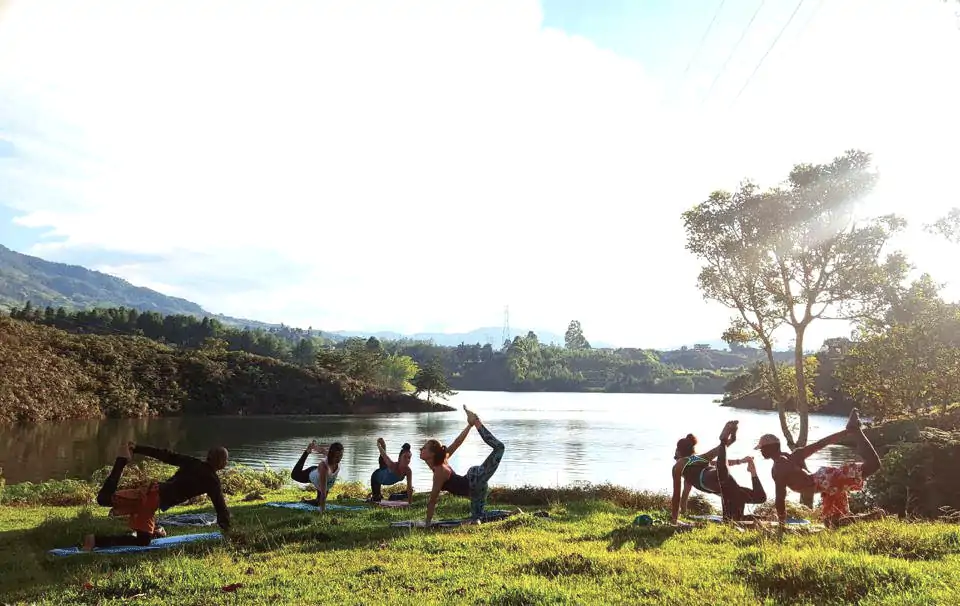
(778,398)
(803,406)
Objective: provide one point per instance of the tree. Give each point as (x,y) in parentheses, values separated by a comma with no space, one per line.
(911,361)
(797,253)
(432,379)
(396,372)
(574,338)
(947,226)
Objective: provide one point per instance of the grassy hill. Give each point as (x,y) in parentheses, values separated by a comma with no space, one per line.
(49,374)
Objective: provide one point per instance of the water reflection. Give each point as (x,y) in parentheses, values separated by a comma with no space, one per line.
(551,439)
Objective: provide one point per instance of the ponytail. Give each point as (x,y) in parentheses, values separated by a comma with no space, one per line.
(439,451)
(686,445)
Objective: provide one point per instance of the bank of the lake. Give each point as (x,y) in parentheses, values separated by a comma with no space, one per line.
(586,552)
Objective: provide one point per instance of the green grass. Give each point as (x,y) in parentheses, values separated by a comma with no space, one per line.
(586,552)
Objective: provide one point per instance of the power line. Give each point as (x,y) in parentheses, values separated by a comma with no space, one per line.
(734,51)
(704,39)
(762,59)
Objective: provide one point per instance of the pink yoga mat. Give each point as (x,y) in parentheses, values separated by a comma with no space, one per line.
(393,503)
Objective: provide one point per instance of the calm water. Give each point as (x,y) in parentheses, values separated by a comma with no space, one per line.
(551,439)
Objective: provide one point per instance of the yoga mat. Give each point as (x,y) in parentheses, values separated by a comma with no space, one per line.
(715,518)
(489,516)
(187,519)
(392,504)
(308,507)
(154,545)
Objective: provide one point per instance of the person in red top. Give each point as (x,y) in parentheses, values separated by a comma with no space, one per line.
(833,483)
(139,505)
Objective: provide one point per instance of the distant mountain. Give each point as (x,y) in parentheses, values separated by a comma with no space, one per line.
(489,334)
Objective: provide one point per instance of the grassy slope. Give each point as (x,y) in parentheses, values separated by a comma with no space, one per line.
(587,552)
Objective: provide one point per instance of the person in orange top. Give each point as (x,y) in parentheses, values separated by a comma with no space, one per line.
(833,483)
(139,505)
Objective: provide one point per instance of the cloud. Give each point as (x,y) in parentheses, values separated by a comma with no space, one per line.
(347,164)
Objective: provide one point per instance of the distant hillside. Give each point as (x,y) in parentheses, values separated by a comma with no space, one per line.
(490,334)
(46,283)
(49,374)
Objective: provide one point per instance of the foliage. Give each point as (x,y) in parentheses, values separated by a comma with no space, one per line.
(574,339)
(947,226)
(795,254)
(49,374)
(587,552)
(181,330)
(366,360)
(918,478)
(909,362)
(431,378)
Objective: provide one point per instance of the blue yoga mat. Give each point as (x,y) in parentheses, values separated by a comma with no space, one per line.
(715,518)
(154,545)
(492,515)
(308,507)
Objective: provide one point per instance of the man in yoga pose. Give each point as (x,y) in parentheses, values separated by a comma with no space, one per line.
(193,478)
(475,483)
(833,483)
(322,476)
(698,471)
(391,472)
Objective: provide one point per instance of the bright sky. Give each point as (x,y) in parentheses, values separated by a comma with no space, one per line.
(419,164)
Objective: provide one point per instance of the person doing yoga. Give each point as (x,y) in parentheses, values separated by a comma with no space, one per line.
(322,476)
(192,478)
(474,484)
(833,483)
(391,472)
(699,471)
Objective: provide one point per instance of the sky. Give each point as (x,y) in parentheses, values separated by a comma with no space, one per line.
(418,165)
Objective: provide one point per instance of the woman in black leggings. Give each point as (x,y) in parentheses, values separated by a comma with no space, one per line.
(714,478)
(322,476)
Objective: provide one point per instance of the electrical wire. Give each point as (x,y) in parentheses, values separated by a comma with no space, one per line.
(733,52)
(772,45)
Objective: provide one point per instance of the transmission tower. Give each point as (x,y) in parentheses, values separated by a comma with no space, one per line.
(506,326)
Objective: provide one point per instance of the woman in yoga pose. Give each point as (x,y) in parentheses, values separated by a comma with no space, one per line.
(474,484)
(391,472)
(700,472)
(322,476)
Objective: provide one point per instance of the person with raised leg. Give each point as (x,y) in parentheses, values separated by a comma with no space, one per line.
(390,472)
(322,476)
(475,483)
(192,478)
(833,483)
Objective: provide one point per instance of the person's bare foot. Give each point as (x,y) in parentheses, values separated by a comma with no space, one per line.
(853,423)
(312,446)
(472,417)
(160,532)
(125,452)
(729,429)
(88,542)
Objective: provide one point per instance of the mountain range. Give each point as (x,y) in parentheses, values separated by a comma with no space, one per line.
(45,283)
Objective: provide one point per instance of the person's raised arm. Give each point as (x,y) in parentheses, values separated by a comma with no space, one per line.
(675,504)
(438,481)
(161,454)
(456,443)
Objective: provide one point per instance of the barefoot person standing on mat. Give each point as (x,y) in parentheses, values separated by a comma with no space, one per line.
(322,476)
(193,478)
(474,484)
(391,472)
(699,471)
(833,483)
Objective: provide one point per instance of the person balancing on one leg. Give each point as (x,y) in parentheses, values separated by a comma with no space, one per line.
(193,478)
(833,483)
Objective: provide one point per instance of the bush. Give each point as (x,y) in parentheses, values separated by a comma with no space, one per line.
(918,478)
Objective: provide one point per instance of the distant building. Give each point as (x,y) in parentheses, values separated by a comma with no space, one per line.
(701,347)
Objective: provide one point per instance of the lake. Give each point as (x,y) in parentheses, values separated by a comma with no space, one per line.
(551,438)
